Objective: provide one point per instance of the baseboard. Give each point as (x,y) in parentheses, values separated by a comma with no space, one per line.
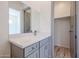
(62,45)
(4,56)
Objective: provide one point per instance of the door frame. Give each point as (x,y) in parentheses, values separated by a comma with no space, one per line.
(73,44)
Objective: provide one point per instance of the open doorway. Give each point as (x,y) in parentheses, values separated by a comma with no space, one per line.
(64,29)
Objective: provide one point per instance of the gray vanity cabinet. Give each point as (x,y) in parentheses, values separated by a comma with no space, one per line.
(45,48)
(44,51)
(16,52)
(30,51)
(41,49)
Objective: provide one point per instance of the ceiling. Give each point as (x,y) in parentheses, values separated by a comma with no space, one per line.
(33,4)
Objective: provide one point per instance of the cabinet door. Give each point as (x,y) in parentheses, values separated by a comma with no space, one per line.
(44,51)
(34,55)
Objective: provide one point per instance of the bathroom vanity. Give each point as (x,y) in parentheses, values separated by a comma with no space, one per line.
(32,47)
(25,24)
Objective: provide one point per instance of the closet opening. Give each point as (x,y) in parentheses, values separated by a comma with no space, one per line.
(64,29)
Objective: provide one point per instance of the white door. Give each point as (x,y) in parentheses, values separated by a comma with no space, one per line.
(62,34)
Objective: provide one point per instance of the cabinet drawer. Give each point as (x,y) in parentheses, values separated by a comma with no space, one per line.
(44,41)
(31,49)
(33,55)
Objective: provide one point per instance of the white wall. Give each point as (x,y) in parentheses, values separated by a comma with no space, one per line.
(62,34)
(4,44)
(62,9)
(45,16)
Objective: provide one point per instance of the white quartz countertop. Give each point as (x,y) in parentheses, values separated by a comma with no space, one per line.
(24,40)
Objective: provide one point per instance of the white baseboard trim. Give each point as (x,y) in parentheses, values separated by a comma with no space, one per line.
(62,45)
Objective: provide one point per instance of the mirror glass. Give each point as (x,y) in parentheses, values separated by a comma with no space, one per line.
(19,18)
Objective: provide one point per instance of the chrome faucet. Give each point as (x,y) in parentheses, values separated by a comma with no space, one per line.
(35,32)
